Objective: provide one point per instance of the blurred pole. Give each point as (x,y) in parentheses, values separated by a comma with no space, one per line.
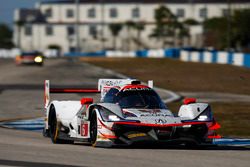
(77,37)
(191,3)
(138,23)
(228,25)
(102,24)
(204,28)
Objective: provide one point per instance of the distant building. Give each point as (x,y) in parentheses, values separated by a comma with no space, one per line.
(52,23)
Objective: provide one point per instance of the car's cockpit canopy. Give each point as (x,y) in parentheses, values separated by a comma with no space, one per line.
(134,97)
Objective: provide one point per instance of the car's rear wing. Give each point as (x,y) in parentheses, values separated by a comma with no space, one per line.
(48,90)
(103,87)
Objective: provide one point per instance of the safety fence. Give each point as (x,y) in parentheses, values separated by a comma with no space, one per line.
(217,57)
(158,53)
(12,53)
(9,53)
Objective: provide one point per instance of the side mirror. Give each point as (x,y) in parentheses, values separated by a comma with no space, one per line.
(86,101)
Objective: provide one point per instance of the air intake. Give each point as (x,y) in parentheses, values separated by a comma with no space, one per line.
(136,82)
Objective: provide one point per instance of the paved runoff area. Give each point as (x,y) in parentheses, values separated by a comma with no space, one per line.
(21,97)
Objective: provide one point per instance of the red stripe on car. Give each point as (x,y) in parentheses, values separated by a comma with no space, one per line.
(72,90)
(105,126)
(108,136)
(159,125)
(214,136)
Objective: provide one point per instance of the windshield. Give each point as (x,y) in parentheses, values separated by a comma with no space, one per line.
(147,99)
(30,54)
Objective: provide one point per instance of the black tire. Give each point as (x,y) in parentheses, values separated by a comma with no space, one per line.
(93,128)
(191,145)
(40,64)
(54,129)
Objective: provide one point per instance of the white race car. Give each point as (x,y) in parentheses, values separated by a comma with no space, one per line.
(128,113)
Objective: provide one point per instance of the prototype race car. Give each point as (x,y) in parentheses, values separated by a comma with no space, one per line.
(34,57)
(128,113)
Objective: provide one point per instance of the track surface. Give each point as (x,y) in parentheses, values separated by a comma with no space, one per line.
(21,95)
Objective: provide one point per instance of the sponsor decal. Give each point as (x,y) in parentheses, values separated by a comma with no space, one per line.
(186,126)
(154,115)
(134,135)
(150,111)
(107,136)
(84,129)
(111,83)
(136,89)
(160,121)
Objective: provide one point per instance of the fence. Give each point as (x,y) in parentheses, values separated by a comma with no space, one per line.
(12,53)
(218,57)
(5,53)
(160,53)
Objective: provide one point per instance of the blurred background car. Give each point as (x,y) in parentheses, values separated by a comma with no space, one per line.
(34,57)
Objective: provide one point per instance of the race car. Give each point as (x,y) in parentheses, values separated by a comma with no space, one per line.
(127,113)
(35,58)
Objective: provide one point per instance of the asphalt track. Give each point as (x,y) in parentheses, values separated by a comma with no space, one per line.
(21,96)
(37,124)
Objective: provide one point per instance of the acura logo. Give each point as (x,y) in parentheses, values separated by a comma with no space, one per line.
(160,121)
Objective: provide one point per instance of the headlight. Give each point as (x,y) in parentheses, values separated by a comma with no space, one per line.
(113,118)
(108,115)
(202,118)
(38,59)
(206,115)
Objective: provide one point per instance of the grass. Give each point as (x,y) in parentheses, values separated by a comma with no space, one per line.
(192,77)
(180,76)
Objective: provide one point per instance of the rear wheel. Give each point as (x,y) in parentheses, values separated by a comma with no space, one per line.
(93,128)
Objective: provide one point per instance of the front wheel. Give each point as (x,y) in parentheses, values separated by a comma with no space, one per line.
(54,130)
(93,128)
